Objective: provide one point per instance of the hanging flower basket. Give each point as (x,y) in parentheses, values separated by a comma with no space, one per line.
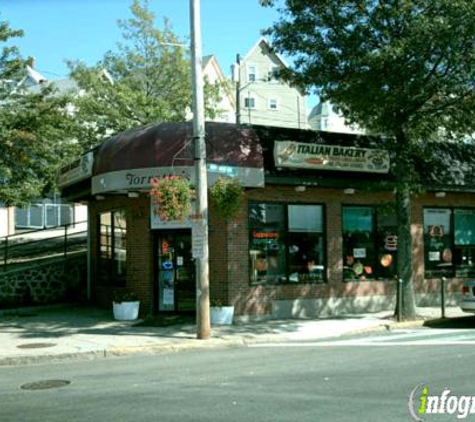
(226,196)
(172,195)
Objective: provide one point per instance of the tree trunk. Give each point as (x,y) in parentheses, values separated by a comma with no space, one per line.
(403,210)
(404,251)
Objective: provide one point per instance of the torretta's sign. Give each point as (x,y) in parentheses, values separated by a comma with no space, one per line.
(330,157)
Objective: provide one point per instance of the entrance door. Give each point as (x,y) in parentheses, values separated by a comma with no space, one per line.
(176,271)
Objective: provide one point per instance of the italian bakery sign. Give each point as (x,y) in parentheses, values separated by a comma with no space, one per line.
(330,157)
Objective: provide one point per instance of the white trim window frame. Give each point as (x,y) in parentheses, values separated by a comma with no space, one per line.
(273,104)
(251,71)
(250,102)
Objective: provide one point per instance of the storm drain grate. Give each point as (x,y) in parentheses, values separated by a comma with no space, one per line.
(35,345)
(45,384)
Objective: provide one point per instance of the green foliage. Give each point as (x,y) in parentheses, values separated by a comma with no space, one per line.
(215,302)
(33,128)
(392,67)
(226,196)
(120,296)
(172,195)
(146,80)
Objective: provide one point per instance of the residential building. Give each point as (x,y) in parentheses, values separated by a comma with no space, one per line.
(324,117)
(263,99)
(32,78)
(226,106)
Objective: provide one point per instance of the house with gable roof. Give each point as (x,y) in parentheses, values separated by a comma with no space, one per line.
(32,78)
(226,106)
(324,117)
(262,98)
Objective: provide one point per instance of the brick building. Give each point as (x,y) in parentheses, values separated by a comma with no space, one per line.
(316,233)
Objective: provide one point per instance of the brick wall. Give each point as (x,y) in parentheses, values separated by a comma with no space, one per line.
(229,254)
(140,260)
(250,300)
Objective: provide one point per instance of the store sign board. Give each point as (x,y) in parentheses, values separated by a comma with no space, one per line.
(330,157)
(140,179)
(198,238)
(77,170)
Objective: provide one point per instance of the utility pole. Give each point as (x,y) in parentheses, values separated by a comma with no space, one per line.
(203,324)
(298,111)
(238,90)
(249,108)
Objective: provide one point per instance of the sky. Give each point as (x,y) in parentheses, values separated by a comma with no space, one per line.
(56,30)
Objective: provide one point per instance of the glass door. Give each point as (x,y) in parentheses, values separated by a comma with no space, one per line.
(176,272)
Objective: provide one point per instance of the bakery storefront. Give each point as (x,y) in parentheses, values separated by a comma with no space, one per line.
(316,233)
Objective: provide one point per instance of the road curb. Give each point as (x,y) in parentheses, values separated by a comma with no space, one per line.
(127,351)
(194,344)
(40,359)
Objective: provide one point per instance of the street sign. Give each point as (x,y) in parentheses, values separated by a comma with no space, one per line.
(197,237)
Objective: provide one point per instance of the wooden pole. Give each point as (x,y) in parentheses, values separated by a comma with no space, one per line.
(202,270)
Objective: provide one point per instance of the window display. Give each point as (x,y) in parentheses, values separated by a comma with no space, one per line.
(369,243)
(305,239)
(267,243)
(286,243)
(449,242)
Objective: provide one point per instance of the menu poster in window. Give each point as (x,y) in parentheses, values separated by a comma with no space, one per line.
(359,252)
(437,243)
(264,244)
(168,296)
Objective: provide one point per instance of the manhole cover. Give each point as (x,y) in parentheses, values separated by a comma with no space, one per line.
(35,345)
(45,384)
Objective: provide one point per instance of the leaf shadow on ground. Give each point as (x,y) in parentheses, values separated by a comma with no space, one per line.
(71,321)
(462,323)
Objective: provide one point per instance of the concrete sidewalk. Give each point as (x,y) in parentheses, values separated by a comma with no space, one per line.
(72,332)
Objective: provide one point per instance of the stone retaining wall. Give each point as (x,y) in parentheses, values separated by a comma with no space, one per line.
(45,283)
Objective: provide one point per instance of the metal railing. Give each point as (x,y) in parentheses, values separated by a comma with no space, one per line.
(34,246)
(39,216)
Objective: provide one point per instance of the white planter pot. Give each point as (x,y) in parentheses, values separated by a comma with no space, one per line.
(222,315)
(126,311)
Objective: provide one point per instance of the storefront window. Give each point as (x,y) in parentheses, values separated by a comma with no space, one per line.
(369,243)
(286,243)
(449,242)
(438,242)
(112,247)
(267,243)
(305,239)
(464,242)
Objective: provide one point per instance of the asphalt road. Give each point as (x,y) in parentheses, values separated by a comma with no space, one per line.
(328,381)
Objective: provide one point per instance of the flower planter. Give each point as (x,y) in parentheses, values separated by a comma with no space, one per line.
(222,315)
(126,311)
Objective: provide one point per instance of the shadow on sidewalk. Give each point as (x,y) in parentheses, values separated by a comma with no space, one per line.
(463,323)
(167,320)
(72,320)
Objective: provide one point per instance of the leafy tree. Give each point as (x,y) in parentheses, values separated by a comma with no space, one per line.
(32,130)
(403,68)
(148,79)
